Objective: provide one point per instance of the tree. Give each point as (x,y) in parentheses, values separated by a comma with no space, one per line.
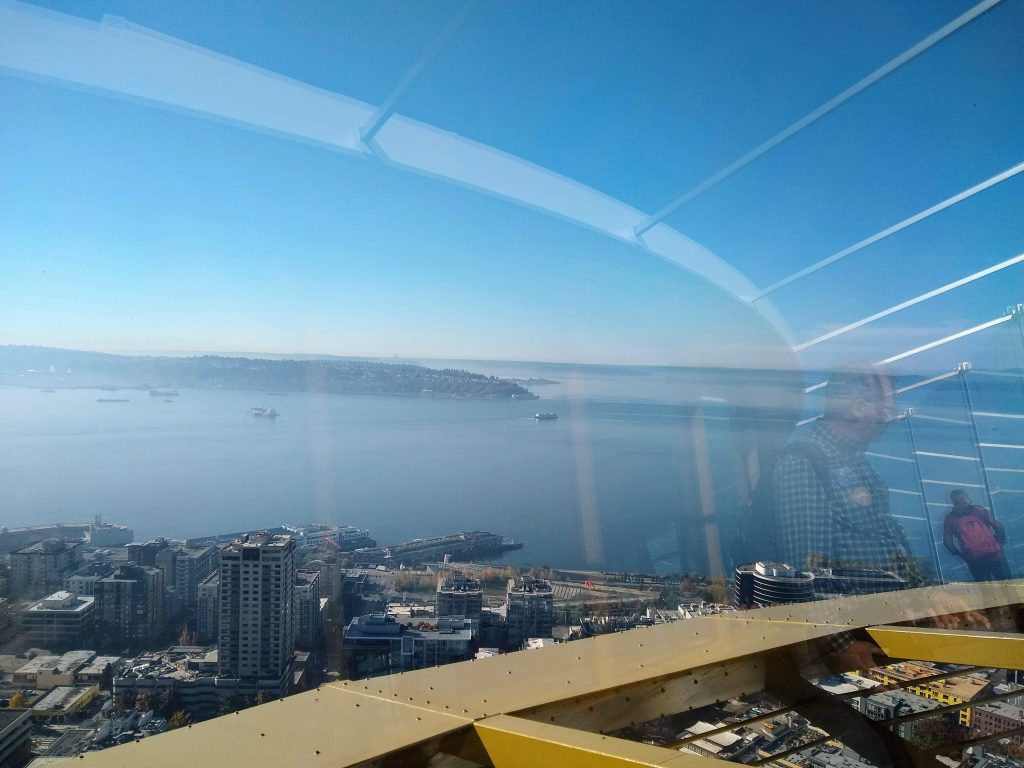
(143,700)
(229,703)
(167,702)
(179,719)
(17,701)
(934,732)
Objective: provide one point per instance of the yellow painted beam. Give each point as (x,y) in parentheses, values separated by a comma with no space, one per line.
(350,722)
(320,728)
(1001,650)
(512,742)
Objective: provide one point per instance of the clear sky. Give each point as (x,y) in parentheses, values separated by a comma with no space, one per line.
(124,227)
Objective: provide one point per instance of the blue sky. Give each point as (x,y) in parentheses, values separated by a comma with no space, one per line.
(124,227)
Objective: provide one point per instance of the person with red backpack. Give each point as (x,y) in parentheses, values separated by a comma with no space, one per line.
(972,533)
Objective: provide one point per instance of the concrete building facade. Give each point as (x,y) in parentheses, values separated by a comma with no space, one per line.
(39,569)
(459,595)
(308,626)
(60,621)
(208,608)
(256,637)
(130,607)
(530,610)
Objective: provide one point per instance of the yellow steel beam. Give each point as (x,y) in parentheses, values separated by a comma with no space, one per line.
(918,604)
(1001,650)
(327,727)
(511,742)
(650,699)
(349,722)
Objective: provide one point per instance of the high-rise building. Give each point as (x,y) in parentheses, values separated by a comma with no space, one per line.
(307,610)
(82,581)
(146,553)
(208,608)
(459,595)
(530,610)
(761,584)
(39,569)
(130,609)
(191,566)
(257,621)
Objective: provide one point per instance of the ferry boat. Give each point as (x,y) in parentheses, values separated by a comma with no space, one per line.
(546,416)
(269,413)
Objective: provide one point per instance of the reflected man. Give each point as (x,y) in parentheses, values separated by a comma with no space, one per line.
(830,507)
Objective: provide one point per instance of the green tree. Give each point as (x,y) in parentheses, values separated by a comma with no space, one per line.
(934,732)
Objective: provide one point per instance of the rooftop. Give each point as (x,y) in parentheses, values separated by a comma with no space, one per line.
(1004,709)
(51,546)
(62,697)
(98,665)
(256,540)
(63,601)
(57,665)
(9,717)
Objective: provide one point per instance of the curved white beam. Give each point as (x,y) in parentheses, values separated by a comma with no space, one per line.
(121,59)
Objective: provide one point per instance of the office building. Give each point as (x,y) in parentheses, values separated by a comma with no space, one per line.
(530,609)
(190,565)
(377,644)
(15,732)
(257,621)
(208,608)
(130,607)
(459,595)
(997,717)
(82,581)
(308,624)
(42,672)
(762,584)
(892,704)
(39,569)
(60,621)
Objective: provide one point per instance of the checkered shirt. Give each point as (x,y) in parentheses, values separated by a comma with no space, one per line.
(846,521)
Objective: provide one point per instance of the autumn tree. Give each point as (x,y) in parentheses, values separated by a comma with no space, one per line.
(17,701)
(179,719)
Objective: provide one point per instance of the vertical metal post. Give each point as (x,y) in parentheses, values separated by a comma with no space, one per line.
(1017,324)
(963,368)
(907,416)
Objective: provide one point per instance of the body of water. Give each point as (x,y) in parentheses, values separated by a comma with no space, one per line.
(613,483)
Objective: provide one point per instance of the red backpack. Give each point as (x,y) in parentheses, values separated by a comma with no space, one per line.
(975,536)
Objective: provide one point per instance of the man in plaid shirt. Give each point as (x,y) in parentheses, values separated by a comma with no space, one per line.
(829,505)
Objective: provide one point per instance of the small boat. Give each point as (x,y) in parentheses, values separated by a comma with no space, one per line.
(546,416)
(163,393)
(268,413)
(112,400)
(48,391)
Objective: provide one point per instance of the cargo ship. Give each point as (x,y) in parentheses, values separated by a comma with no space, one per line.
(546,416)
